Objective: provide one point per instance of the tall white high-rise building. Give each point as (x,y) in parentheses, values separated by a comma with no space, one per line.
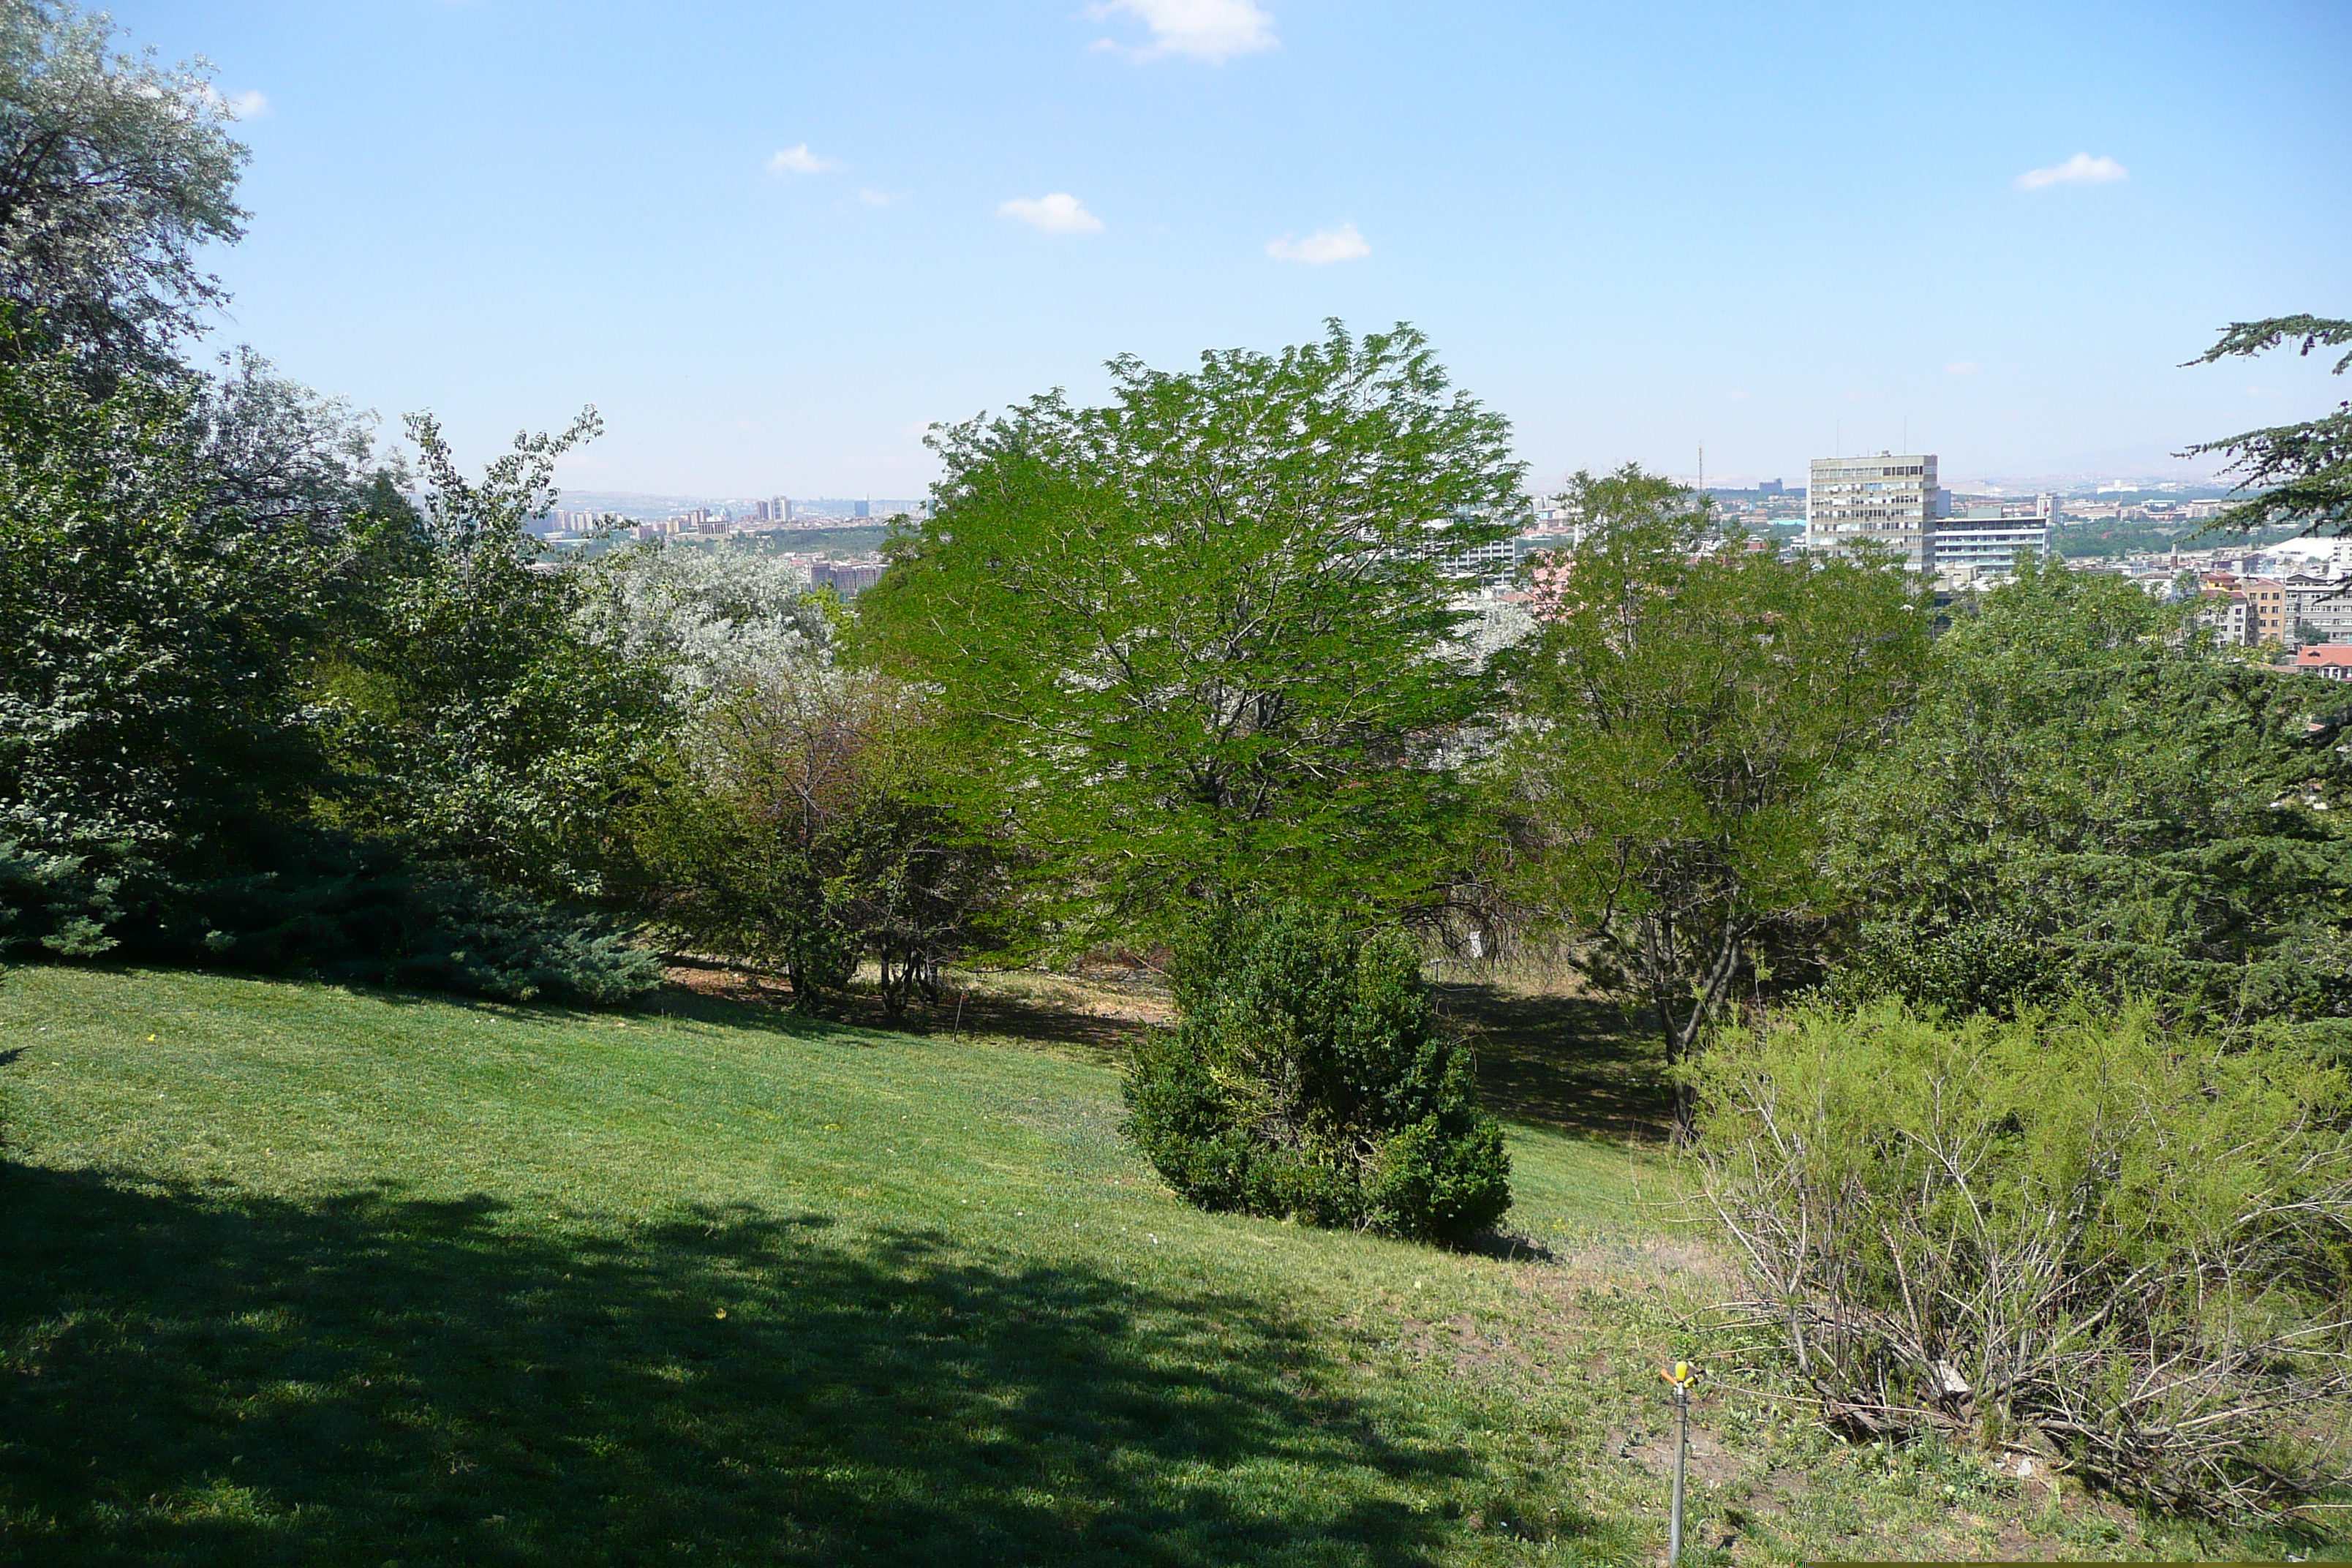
(1888,500)
(780,508)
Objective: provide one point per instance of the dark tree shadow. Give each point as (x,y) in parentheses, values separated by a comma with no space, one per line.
(192,1378)
(738,997)
(1571,1062)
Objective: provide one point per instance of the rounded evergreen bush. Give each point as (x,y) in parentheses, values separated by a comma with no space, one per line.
(1310,1077)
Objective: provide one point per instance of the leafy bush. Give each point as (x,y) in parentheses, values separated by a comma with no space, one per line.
(791,830)
(1310,1077)
(2132,1242)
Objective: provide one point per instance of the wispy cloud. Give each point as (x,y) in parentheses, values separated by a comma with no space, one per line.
(799,160)
(2082,169)
(1212,30)
(1060,213)
(1340,244)
(1961,367)
(874,198)
(251,105)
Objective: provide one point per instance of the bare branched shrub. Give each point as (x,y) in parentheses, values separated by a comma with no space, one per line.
(2135,1244)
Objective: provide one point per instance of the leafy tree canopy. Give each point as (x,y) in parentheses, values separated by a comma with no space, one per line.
(476,713)
(1205,638)
(2089,794)
(113,172)
(1683,707)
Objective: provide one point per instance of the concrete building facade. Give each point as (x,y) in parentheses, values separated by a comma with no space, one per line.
(1888,501)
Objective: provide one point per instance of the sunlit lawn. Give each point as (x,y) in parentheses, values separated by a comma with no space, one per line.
(290,1274)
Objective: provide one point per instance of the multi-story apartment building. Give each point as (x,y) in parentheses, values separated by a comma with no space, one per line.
(847,579)
(1888,501)
(2318,610)
(2252,611)
(2226,611)
(1986,546)
(2265,610)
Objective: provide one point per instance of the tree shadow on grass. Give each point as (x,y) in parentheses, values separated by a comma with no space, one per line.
(719,993)
(1573,1062)
(194,1378)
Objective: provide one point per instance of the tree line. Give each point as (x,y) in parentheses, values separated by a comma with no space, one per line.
(1948,919)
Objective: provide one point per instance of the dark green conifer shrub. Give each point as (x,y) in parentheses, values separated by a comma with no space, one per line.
(301,901)
(1311,1079)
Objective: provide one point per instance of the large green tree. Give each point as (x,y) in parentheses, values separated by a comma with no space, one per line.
(157,608)
(2090,794)
(1684,705)
(1205,638)
(2300,475)
(476,716)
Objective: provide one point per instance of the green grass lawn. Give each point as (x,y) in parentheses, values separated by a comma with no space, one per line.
(291,1274)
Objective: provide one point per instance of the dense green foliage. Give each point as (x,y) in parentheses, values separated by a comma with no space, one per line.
(254,708)
(791,830)
(2089,540)
(1203,640)
(153,619)
(2131,1242)
(2089,796)
(184,569)
(471,712)
(1311,1078)
(1679,713)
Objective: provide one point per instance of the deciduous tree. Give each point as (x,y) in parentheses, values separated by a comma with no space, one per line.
(1681,710)
(114,171)
(1205,638)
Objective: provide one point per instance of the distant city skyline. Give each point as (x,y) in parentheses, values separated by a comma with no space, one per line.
(773,242)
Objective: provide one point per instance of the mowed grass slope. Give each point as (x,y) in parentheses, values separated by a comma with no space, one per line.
(290,1274)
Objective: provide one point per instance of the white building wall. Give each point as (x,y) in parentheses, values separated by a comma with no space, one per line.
(1888,500)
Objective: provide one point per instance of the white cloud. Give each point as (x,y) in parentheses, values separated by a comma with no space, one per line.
(800,161)
(1340,244)
(1060,213)
(1738,395)
(1961,367)
(251,105)
(2082,169)
(1212,30)
(873,198)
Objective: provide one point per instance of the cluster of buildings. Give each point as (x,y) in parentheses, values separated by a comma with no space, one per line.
(847,578)
(1894,503)
(726,518)
(2302,612)
(2295,599)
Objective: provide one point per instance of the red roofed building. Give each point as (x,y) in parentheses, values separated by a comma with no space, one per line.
(2332,659)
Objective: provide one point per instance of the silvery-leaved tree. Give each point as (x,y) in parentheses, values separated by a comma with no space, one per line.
(114,172)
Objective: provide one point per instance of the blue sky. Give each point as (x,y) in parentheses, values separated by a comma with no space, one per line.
(1631,227)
